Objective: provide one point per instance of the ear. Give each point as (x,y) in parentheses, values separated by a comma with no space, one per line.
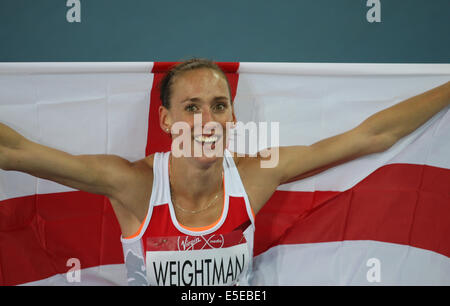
(165,121)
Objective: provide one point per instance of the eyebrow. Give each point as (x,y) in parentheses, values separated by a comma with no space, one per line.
(195,99)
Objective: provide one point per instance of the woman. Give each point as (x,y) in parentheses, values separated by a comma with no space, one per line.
(189,220)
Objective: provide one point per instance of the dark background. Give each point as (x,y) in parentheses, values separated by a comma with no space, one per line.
(410,31)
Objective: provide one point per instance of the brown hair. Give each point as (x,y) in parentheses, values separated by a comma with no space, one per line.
(189,65)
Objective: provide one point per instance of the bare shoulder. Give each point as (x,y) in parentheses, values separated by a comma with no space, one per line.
(137,178)
(255,165)
(131,201)
(245,164)
(143,168)
(259,182)
(147,161)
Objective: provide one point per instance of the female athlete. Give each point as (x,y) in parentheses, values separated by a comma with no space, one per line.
(189,219)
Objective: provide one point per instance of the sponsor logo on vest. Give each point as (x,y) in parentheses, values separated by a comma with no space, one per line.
(200,242)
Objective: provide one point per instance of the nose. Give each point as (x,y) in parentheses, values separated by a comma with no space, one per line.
(205,121)
(207,116)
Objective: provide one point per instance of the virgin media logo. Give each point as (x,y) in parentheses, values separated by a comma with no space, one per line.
(214,241)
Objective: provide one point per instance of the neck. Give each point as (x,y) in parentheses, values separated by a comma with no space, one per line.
(194,182)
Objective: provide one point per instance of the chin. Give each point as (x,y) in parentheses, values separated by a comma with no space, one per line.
(209,159)
(206,162)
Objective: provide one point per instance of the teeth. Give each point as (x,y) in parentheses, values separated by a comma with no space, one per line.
(206,139)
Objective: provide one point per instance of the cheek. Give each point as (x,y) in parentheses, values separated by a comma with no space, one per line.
(179,116)
(184,127)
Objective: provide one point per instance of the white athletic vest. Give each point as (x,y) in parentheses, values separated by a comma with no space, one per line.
(164,252)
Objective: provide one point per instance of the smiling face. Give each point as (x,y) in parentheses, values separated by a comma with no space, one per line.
(200,98)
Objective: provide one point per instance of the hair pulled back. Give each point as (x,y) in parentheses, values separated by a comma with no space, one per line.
(189,65)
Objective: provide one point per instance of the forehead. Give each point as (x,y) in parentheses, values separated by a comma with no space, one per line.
(201,83)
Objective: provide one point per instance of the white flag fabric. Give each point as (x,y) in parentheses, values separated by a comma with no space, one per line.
(381,219)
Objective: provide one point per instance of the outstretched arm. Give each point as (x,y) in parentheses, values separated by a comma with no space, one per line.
(109,175)
(93,173)
(375,134)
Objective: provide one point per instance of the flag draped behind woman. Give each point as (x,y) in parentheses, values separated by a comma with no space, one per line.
(380,219)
